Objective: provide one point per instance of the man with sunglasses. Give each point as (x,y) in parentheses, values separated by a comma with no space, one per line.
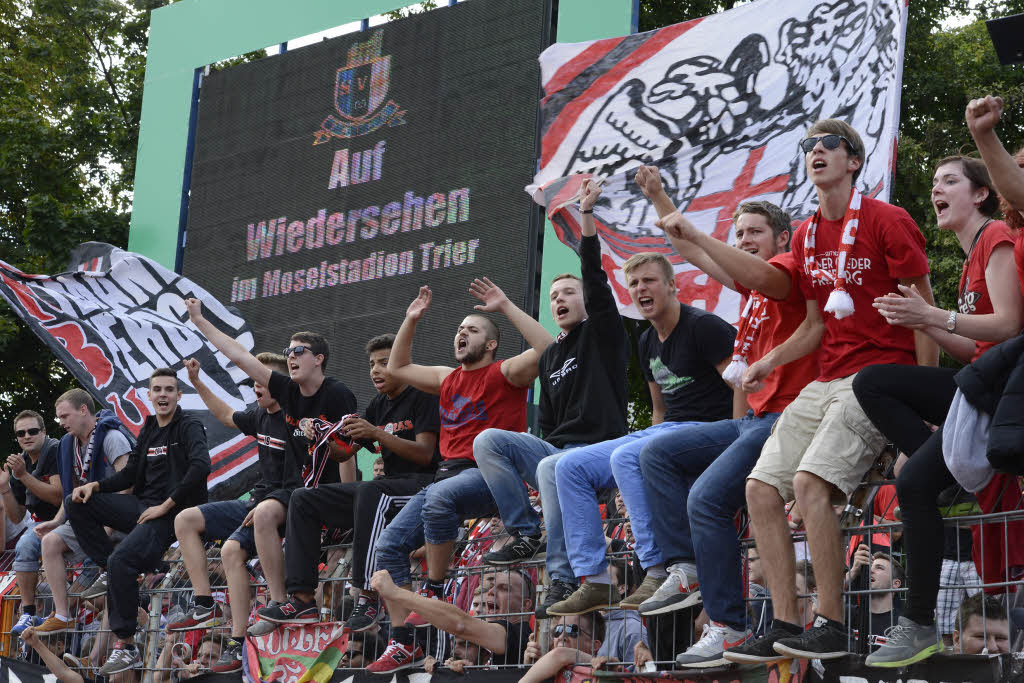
(30,484)
(248,528)
(575,639)
(852,250)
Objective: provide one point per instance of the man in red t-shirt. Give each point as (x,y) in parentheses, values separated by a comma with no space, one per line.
(480,393)
(852,250)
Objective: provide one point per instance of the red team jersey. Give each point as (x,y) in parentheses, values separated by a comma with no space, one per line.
(782,319)
(474,401)
(972,294)
(889,246)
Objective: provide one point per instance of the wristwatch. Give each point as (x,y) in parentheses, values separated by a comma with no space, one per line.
(951,321)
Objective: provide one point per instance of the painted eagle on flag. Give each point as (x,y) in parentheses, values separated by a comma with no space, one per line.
(719,105)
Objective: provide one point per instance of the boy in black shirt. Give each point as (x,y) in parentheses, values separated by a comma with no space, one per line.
(30,484)
(248,528)
(404,422)
(312,402)
(582,401)
(167,472)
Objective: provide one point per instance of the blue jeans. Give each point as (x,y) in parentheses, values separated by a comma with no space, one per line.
(695,481)
(28,550)
(506,459)
(581,473)
(433,515)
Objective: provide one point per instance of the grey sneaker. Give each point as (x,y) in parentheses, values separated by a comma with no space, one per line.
(710,650)
(262,627)
(97,589)
(905,643)
(124,657)
(645,590)
(587,598)
(678,591)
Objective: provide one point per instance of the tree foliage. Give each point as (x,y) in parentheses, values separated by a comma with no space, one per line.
(71,76)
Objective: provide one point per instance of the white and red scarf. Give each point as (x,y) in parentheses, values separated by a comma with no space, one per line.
(839,303)
(751,321)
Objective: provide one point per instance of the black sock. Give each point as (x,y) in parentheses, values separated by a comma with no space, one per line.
(436,586)
(402,634)
(792,628)
(204,601)
(29,610)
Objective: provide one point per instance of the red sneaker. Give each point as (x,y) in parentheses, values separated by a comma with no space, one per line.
(396,658)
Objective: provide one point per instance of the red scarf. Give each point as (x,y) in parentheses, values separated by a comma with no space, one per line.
(839,302)
(750,327)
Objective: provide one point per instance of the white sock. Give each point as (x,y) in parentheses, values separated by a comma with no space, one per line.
(657,572)
(62,617)
(604,577)
(689,567)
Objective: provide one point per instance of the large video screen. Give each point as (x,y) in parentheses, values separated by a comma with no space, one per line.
(330,182)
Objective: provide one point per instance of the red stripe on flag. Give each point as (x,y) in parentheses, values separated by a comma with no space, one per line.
(248,441)
(572,111)
(575,66)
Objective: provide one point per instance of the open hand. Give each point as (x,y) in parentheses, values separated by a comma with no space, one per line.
(43,528)
(490,294)
(909,310)
(420,304)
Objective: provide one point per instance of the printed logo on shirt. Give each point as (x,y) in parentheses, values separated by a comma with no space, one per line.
(855,268)
(156,451)
(463,411)
(669,381)
(561,373)
(968,301)
(270,442)
(395,427)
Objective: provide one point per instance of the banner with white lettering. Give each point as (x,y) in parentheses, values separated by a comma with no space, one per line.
(116,316)
(719,105)
(295,654)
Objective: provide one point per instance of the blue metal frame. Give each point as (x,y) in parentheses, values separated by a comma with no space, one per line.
(186,181)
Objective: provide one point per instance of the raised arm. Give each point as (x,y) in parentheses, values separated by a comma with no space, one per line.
(805,339)
(982,116)
(235,352)
(55,664)
(520,370)
(596,292)
(426,378)
(442,615)
(218,408)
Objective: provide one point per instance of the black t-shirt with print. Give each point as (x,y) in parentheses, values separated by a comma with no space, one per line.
(331,402)
(280,465)
(44,468)
(158,470)
(684,366)
(405,416)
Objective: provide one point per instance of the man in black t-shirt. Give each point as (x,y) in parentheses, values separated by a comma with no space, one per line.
(167,473)
(248,528)
(403,423)
(30,484)
(683,354)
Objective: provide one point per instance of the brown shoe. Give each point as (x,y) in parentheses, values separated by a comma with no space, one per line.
(53,625)
(646,589)
(587,598)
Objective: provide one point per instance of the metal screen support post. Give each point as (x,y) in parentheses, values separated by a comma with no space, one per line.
(153,637)
(186,180)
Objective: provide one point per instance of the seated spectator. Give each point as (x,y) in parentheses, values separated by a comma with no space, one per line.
(982,627)
(884,608)
(56,665)
(176,661)
(30,486)
(95,445)
(503,637)
(575,639)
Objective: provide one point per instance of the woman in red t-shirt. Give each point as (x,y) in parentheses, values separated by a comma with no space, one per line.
(903,400)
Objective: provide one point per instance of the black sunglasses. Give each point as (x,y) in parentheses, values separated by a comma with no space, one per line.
(31,432)
(830,141)
(298,350)
(571,630)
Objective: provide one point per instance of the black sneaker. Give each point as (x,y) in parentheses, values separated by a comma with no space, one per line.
(291,612)
(364,616)
(230,659)
(762,650)
(522,548)
(557,592)
(826,639)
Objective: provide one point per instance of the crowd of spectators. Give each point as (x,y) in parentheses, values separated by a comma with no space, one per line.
(760,517)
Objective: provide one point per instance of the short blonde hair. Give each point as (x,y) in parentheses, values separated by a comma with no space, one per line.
(838,127)
(565,276)
(643,258)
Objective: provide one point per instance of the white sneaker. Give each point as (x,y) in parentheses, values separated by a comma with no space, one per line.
(678,591)
(707,651)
